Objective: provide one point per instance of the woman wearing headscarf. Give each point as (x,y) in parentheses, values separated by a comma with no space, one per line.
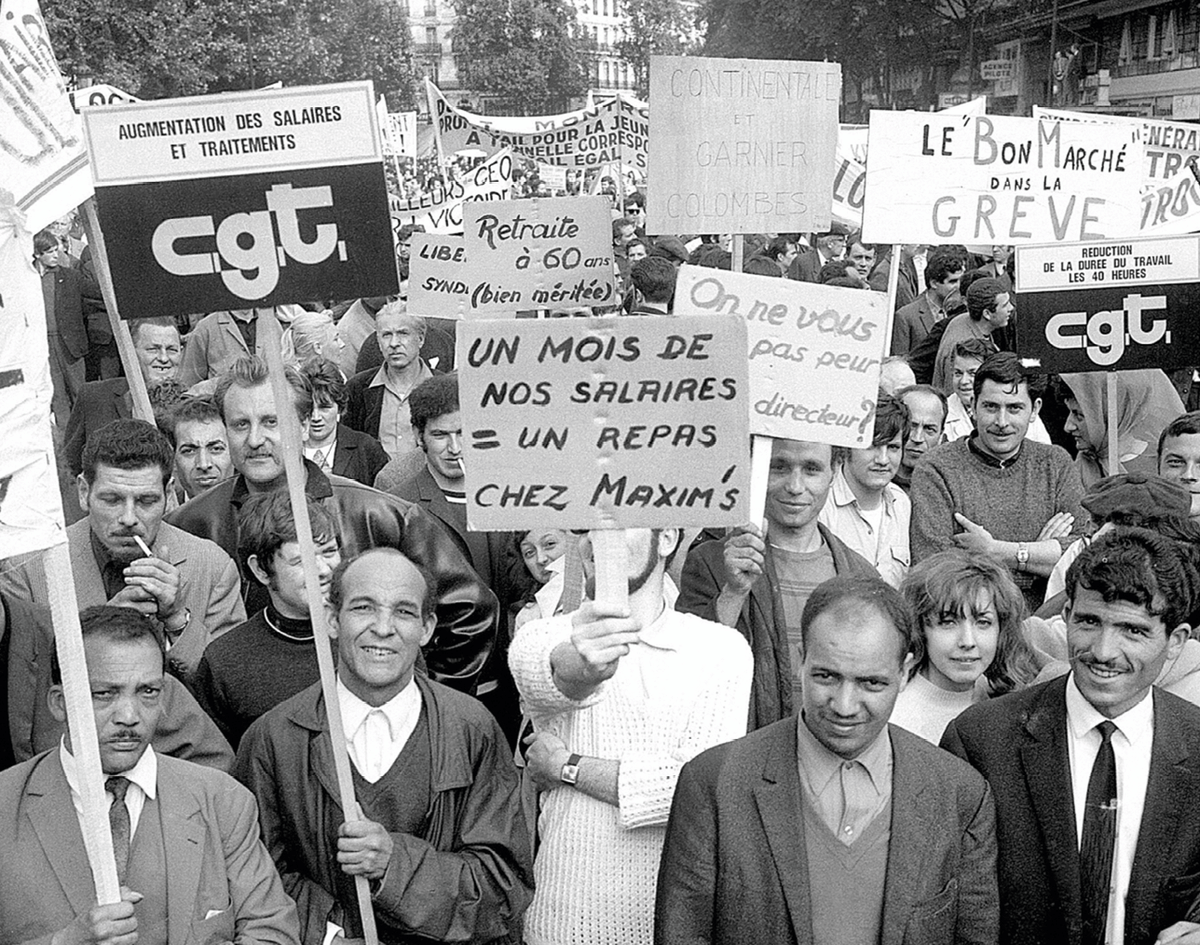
(1146,402)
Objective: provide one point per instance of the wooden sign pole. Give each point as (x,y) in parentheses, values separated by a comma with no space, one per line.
(572,593)
(293,451)
(612,569)
(133,372)
(893,278)
(81,722)
(1114,449)
(760,446)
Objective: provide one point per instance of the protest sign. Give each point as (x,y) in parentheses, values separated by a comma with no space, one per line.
(1170,188)
(1109,305)
(43,162)
(100,95)
(250,198)
(604,422)
(31,516)
(441,210)
(814,350)
(548,252)
(400,134)
(742,145)
(614,129)
(991,179)
(437,274)
(553,176)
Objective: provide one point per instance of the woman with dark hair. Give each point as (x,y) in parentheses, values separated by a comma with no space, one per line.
(970,644)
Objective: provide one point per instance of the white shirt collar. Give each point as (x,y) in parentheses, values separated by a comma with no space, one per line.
(1082,716)
(404,706)
(144,774)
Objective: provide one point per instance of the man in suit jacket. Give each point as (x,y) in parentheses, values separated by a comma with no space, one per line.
(1047,751)
(188,583)
(186,839)
(377,400)
(220,339)
(909,285)
(833,826)
(159,351)
(915,320)
(332,445)
(806,267)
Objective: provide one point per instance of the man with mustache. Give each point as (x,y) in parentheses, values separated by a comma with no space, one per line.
(271,656)
(189,858)
(364,517)
(1093,772)
(187,584)
(197,432)
(864,508)
(758,581)
(620,697)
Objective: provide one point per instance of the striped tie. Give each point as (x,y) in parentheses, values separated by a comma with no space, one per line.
(1099,836)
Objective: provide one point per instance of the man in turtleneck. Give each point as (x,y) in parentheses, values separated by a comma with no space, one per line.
(270,657)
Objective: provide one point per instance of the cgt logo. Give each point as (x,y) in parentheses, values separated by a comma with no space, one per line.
(247,257)
(1106,334)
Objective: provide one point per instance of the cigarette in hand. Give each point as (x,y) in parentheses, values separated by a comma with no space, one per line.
(145,548)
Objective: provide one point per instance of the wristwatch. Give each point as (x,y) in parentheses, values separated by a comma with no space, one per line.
(570,771)
(1022,556)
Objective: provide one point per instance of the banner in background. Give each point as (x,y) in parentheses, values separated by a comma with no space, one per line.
(441,211)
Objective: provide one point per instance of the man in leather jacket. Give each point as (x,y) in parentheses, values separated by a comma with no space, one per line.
(366,518)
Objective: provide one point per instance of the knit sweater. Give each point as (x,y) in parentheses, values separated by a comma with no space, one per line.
(1013,502)
(684,688)
(925,709)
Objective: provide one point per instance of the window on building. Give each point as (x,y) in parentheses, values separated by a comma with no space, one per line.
(616,8)
(595,7)
(607,74)
(431,7)
(1152,37)
(1170,39)
(604,6)
(1126,53)
(431,35)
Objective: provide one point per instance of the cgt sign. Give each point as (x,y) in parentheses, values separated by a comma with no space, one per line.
(1109,306)
(251,199)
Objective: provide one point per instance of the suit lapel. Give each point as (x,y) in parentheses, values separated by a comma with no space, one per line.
(1047,768)
(89,585)
(227,323)
(320,759)
(1172,788)
(183,836)
(52,814)
(913,816)
(777,797)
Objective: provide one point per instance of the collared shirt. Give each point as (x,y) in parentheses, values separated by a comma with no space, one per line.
(112,571)
(248,326)
(935,304)
(987,458)
(1132,743)
(395,422)
(143,783)
(326,449)
(375,735)
(848,795)
(884,544)
(958,422)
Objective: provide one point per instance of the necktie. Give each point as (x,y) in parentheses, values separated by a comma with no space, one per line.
(118,821)
(1099,836)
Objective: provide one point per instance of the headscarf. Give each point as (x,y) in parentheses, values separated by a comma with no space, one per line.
(1146,402)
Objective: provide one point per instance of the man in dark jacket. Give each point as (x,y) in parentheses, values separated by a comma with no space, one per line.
(760,590)
(366,518)
(440,834)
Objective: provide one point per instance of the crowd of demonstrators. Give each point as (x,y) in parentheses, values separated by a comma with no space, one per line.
(746,751)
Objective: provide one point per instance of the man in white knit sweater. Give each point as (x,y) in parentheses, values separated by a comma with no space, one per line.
(620,698)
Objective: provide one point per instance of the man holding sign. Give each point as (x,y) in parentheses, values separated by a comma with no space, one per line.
(760,586)
(185,837)
(621,697)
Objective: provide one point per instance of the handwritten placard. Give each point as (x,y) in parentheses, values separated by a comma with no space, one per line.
(945,179)
(814,350)
(437,286)
(742,145)
(604,422)
(441,210)
(543,253)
